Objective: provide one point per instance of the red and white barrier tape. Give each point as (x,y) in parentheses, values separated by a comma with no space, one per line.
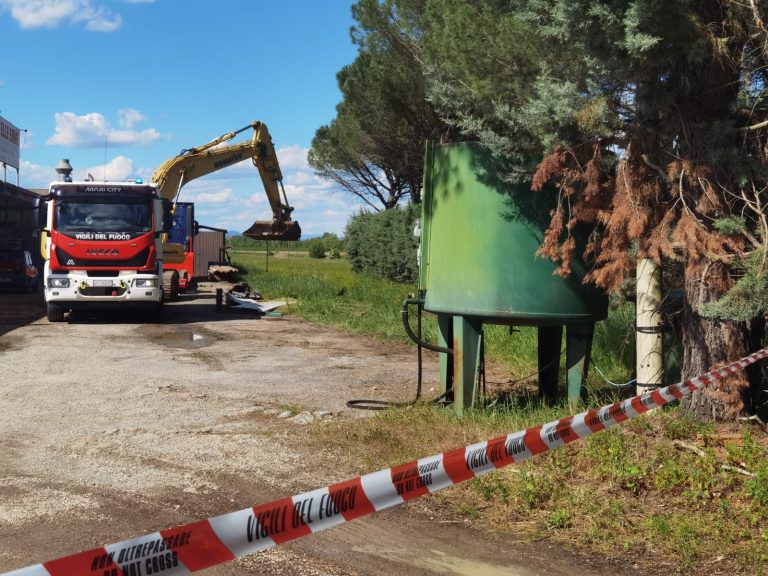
(206,543)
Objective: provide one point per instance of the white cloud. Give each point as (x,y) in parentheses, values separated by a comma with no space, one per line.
(302,177)
(127,117)
(293,158)
(205,187)
(319,206)
(318,209)
(243,220)
(93,131)
(52,13)
(103,21)
(335,213)
(257,199)
(225,195)
(294,192)
(144,173)
(35,176)
(317,195)
(118,169)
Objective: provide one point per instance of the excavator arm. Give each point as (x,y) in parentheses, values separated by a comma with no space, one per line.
(193,163)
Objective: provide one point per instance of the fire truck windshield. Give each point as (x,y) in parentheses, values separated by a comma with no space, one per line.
(104,215)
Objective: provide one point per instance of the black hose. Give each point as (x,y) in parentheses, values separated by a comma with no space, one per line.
(419,366)
(376,404)
(384,404)
(414,337)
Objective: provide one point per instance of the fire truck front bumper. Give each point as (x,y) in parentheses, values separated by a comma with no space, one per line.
(81,291)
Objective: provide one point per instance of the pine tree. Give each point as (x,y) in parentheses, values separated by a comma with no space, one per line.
(374,147)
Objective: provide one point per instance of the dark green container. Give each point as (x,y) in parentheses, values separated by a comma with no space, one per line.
(479,237)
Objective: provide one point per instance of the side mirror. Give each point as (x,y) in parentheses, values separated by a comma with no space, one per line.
(43,234)
(38,210)
(195,228)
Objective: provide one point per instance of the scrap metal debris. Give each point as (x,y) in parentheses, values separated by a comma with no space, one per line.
(242,297)
(223,273)
(244,290)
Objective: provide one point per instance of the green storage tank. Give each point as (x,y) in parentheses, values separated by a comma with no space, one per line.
(479,236)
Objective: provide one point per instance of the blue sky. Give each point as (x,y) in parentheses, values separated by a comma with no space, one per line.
(152,77)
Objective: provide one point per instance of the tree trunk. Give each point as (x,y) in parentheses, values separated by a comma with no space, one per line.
(710,344)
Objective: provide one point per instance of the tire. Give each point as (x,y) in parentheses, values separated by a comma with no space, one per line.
(170,286)
(55,314)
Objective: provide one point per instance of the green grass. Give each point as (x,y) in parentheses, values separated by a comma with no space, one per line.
(326,291)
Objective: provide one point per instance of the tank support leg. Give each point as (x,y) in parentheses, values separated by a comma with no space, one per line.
(577,352)
(550,340)
(467,338)
(445,339)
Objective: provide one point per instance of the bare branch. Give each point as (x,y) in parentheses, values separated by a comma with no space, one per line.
(656,167)
(754,127)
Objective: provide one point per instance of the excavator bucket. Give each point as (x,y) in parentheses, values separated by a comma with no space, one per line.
(274,230)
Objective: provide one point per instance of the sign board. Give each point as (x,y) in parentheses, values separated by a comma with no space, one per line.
(9,143)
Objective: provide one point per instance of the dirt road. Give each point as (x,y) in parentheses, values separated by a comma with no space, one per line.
(111,428)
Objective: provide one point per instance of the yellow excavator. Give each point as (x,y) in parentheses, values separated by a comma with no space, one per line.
(193,163)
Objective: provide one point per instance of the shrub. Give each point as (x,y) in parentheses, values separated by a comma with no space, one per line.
(332,242)
(317,249)
(383,244)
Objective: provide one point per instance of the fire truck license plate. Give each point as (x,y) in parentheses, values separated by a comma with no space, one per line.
(102,282)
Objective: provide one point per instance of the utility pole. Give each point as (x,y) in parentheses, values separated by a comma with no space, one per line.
(648,326)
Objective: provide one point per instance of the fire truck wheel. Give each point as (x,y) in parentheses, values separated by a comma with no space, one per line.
(170,286)
(55,314)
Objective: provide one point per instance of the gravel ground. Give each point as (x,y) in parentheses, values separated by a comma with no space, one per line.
(111,427)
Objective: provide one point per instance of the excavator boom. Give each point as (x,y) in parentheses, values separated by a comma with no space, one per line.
(196,162)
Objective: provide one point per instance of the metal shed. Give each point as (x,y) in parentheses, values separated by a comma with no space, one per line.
(210,248)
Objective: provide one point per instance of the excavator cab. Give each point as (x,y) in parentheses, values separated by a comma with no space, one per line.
(274,230)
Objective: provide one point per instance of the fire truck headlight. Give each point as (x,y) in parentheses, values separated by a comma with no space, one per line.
(58,282)
(146,283)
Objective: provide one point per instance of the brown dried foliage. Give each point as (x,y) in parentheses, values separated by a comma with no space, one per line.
(576,174)
(661,214)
